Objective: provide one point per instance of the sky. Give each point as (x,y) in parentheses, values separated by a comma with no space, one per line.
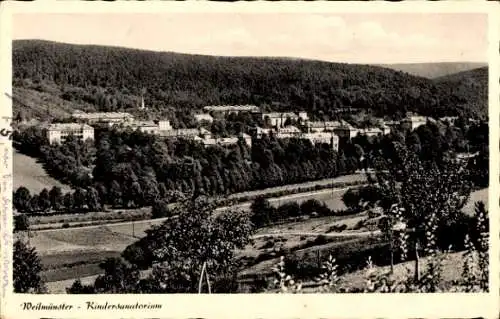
(351,37)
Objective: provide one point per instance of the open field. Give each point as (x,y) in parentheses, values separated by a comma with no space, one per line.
(61,247)
(29,173)
(341,179)
(99,238)
(480,195)
(103,217)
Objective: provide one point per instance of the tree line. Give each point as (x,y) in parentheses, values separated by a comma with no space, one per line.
(133,169)
(181,249)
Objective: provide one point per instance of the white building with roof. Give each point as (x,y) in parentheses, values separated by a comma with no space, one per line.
(386,129)
(200,118)
(226,141)
(414,121)
(371,131)
(189,133)
(322,126)
(143,126)
(110,118)
(58,132)
(259,131)
(288,132)
(346,131)
(228,109)
(323,138)
(278,119)
(164,125)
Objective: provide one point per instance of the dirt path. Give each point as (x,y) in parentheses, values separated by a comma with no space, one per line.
(331,235)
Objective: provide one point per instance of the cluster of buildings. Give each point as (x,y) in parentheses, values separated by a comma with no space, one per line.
(83,124)
(281,125)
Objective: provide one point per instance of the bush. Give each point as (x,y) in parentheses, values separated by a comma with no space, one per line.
(310,206)
(262,212)
(321,240)
(78,288)
(360,224)
(337,228)
(138,254)
(302,267)
(160,209)
(351,198)
(268,244)
(65,225)
(21,223)
(291,209)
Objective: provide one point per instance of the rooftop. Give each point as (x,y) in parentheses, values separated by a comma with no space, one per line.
(246,107)
(99,115)
(371,130)
(289,129)
(322,124)
(319,135)
(180,132)
(68,127)
(203,116)
(143,124)
(279,115)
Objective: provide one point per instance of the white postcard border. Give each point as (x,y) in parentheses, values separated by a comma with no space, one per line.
(262,305)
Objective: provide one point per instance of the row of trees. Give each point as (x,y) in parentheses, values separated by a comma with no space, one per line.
(132,169)
(79,200)
(133,163)
(423,196)
(263,214)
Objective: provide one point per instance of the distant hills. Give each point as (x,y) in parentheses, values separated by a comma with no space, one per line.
(435,70)
(52,78)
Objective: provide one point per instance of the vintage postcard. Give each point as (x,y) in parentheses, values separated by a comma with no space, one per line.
(253,160)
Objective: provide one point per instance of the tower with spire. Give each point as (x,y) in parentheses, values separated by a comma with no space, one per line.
(143,106)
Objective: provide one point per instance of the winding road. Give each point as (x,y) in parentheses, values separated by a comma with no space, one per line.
(331,235)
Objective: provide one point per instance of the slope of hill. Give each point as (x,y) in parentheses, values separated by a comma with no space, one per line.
(434,70)
(471,85)
(113,78)
(31,174)
(44,102)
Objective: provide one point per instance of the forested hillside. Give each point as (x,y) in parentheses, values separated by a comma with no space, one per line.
(435,70)
(471,85)
(113,78)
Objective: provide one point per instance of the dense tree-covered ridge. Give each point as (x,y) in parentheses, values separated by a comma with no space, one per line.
(435,70)
(114,78)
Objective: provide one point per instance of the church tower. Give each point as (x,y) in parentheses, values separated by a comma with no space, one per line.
(143,106)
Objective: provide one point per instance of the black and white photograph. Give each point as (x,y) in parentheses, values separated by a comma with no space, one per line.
(250,153)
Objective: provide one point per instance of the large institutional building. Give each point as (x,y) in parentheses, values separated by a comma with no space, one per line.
(278,124)
(414,121)
(109,118)
(57,133)
(278,120)
(231,109)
